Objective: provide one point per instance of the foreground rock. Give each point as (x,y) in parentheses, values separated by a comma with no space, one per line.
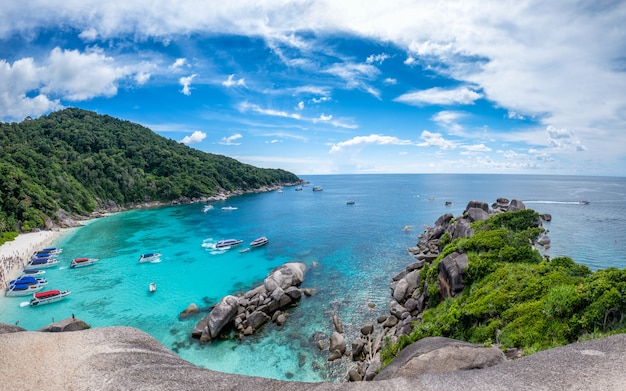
(124,358)
(250,311)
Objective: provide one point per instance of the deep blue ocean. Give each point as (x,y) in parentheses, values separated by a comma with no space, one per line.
(351,253)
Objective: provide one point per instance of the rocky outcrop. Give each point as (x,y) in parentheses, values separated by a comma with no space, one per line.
(124,358)
(250,311)
(69,324)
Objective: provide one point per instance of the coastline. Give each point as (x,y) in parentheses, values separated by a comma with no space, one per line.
(16,253)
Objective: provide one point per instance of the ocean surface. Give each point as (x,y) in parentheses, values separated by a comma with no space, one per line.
(351,253)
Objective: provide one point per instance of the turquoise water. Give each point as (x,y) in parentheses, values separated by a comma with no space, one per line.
(351,252)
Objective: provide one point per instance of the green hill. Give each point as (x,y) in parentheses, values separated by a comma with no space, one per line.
(78,161)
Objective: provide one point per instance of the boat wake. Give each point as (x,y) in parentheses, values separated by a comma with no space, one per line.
(558,202)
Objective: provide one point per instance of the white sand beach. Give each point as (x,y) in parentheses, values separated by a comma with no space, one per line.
(16,253)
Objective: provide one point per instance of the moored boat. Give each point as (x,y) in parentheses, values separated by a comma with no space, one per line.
(29,280)
(41,263)
(318,188)
(149,257)
(51,250)
(47,297)
(22,290)
(227,243)
(33,272)
(258,242)
(80,262)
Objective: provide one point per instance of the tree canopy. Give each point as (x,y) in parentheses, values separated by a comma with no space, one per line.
(78,160)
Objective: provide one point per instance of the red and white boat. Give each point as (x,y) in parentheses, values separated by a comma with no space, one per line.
(80,262)
(48,297)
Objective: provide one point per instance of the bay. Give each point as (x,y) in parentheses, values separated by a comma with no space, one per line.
(351,253)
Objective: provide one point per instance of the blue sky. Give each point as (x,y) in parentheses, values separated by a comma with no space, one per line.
(330,87)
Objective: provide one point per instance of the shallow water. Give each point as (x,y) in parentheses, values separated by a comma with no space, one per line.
(351,252)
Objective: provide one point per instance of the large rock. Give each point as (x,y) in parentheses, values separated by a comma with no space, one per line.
(289,274)
(222,314)
(124,358)
(337,343)
(476,214)
(451,270)
(439,354)
(69,324)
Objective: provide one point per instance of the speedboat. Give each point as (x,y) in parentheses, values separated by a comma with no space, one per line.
(583,202)
(350,202)
(33,272)
(227,243)
(207,208)
(318,188)
(47,297)
(22,289)
(298,188)
(29,280)
(41,263)
(149,257)
(80,262)
(39,254)
(51,250)
(258,242)
(229,208)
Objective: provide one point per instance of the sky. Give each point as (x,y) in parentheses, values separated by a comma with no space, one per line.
(337,86)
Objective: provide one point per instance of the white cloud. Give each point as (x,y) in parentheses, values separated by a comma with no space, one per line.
(440,96)
(564,139)
(245,106)
(88,35)
(230,82)
(230,140)
(179,63)
(300,105)
(476,148)
(390,81)
(435,140)
(195,137)
(368,140)
(377,58)
(325,117)
(142,78)
(449,120)
(186,83)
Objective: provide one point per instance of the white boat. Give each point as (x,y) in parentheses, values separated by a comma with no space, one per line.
(41,263)
(207,208)
(227,244)
(298,188)
(152,287)
(33,272)
(48,297)
(318,188)
(149,257)
(258,242)
(51,250)
(80,262)
(229,208)
(22,289)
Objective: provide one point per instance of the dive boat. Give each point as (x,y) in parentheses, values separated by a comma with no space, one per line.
(80,262)
(22,290)
(33,272)
(48,297)
(41,263)
(227,243)
(258,242)
(149,257)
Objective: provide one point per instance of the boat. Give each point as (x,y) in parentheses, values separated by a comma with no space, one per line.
(207,208)
(33,272)
(448,203)
(80,262)
(229,208)
(29,280)
(227,243)
(149,257)
(583,202)
(22,289)
(258,242)
(318,188)
(350,202)
(298,188)
(51,250)
(41,263)
(152,287)
(48,297)
(39,254)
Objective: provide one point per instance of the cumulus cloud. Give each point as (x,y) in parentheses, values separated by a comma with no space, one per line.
(449,120)
(195,137)
(435,140)
(476,148)
(142,78)
(231,82)
(563,139)
(377,58)
(186,83)
(179,63)
(365,140)
(230,140)
(440,96)
(390,81)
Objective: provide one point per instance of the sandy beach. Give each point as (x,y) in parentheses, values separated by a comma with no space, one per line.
(16,253)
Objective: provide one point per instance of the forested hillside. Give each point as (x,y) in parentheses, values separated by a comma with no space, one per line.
(77,160)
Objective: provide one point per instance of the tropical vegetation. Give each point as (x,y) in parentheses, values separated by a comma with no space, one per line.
(514,297)
(76,160)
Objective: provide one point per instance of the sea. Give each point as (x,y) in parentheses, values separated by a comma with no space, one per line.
(351,252)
